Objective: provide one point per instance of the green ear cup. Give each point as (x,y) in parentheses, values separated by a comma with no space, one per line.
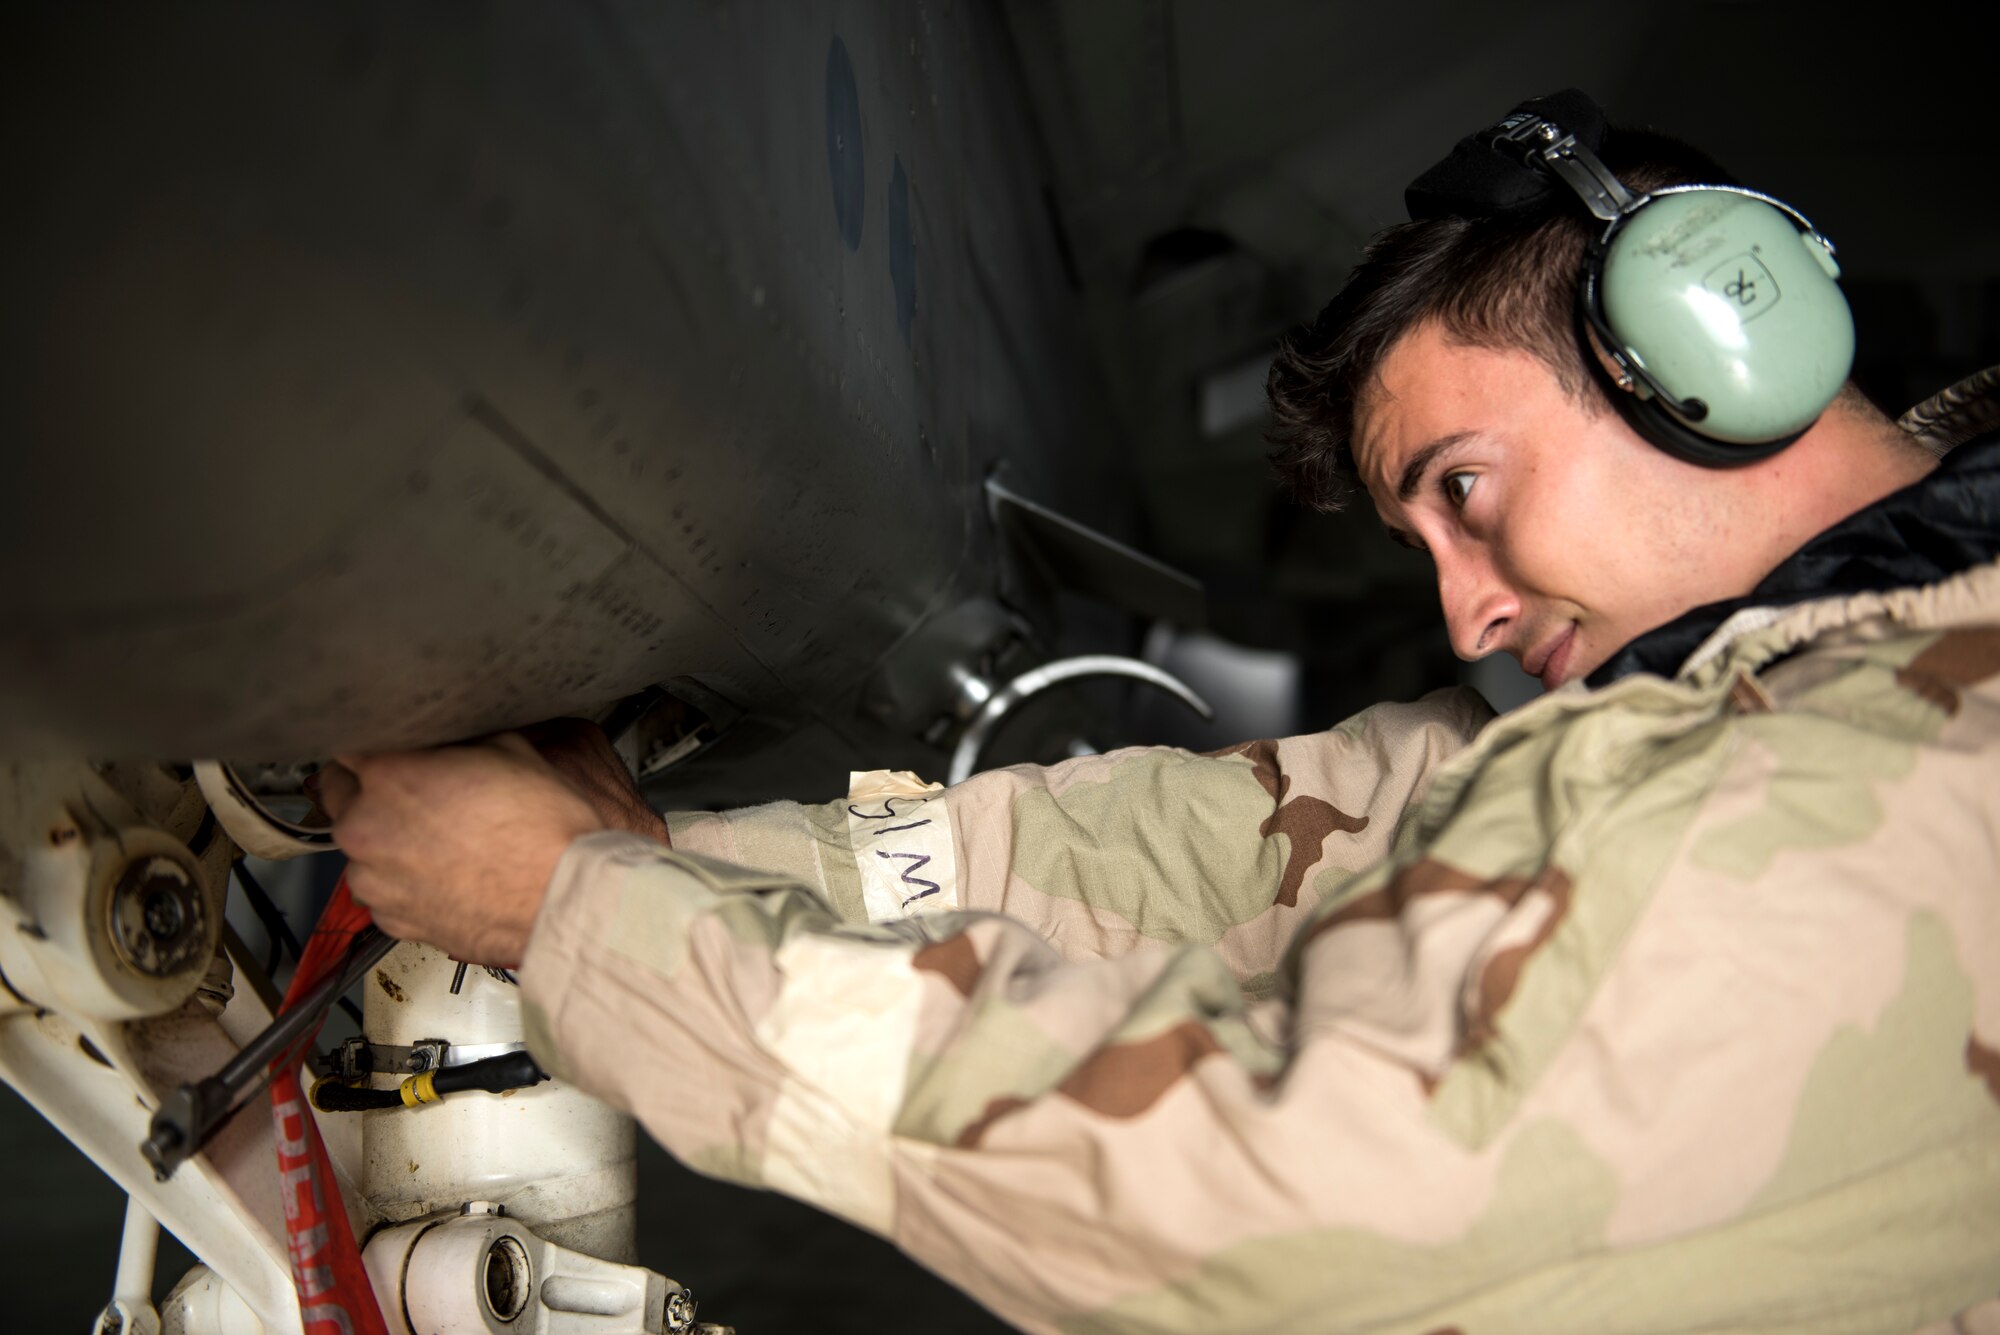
(1722,299)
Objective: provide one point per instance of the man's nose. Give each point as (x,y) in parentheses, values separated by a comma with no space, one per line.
(1479,608)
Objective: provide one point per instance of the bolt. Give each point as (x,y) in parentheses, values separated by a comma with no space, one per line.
(164,915)
(157,921)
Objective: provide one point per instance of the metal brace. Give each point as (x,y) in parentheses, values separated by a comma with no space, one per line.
(357,1057)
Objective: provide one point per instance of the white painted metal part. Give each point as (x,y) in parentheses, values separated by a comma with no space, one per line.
(94,1051)
(102,1015)
(79,851)
(202,1304)
(561,1162)
(223,1203)
(483,1273)
(248,824)
(130,1311)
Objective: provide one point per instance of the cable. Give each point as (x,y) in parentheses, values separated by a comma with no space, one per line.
(275,926)
(278,929)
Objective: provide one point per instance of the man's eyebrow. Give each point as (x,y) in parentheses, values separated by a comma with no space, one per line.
(1420,462)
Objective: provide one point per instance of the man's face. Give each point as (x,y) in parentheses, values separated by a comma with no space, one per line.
(1558,534)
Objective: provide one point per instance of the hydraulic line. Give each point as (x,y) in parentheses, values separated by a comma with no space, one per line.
(494,1075)
(268,913)
(275,926)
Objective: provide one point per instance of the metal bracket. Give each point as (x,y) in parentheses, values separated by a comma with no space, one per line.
(357,1057)
(1547,145)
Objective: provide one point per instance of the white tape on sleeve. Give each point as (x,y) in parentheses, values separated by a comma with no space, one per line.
(901,838)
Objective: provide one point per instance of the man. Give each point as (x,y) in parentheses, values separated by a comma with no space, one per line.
(1671,1001)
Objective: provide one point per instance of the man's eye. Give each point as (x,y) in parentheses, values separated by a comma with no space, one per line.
(1458,487)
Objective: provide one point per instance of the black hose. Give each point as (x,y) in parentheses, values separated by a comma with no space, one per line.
(495,1075)
(269,914)
(279,931)
(332,1096)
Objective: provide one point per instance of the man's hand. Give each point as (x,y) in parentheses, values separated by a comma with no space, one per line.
(455,846)
(581,753)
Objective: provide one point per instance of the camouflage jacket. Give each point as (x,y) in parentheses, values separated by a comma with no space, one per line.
(1669,1005)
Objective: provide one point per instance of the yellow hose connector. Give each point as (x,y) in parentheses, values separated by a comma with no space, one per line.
(420,1089)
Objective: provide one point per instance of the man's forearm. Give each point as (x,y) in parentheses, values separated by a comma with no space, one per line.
(1105,854)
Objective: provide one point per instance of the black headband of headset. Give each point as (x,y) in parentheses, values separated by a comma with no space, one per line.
(1479,181)
(1484,179)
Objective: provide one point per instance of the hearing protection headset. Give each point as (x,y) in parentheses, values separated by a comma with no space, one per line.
(1716,305)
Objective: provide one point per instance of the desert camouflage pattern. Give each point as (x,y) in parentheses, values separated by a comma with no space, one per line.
(1672,1006)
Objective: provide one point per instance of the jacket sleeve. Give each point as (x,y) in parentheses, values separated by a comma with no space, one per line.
(1654,1018)
(1102,854)
(945,1080)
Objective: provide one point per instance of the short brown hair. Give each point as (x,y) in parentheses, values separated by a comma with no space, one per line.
(1490,282)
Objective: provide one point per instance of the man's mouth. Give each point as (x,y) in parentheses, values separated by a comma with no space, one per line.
(1554,659)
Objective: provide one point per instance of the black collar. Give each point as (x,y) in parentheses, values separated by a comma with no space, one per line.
(1945,522)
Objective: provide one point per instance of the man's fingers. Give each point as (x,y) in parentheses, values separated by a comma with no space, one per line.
(338,787)
(397,928)
(454,846)
(364,887)
(379,895)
